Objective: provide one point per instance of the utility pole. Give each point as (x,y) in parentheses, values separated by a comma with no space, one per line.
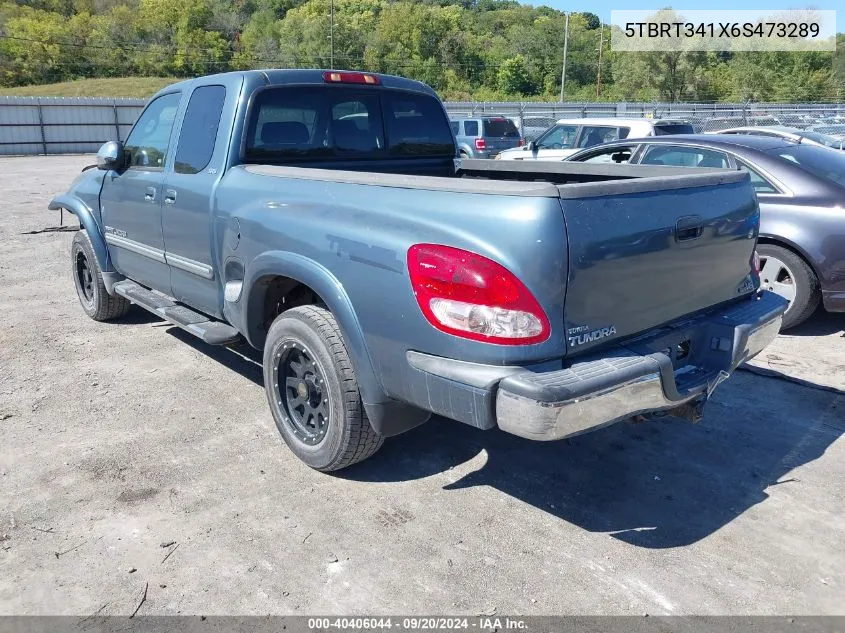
(601,46)
(565,45)
(331,34)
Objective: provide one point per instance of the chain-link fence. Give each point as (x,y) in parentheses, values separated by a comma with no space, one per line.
(534,118)
(30,125)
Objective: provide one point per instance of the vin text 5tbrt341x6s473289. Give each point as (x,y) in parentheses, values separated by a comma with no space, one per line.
(322,216)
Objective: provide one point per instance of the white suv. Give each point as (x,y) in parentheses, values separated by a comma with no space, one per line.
(568,136)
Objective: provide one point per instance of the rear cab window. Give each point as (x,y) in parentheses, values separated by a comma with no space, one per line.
(296,124)
(662,129)
(500,127)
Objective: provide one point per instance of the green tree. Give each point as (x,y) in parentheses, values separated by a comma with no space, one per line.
(514,78)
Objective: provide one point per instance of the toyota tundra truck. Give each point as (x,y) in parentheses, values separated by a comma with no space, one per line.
(324,218)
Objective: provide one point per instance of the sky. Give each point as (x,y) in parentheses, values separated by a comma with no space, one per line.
(602,8)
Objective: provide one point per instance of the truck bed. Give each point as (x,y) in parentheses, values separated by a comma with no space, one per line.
(513,178)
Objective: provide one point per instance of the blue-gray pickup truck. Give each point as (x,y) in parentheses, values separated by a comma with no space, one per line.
(323,217)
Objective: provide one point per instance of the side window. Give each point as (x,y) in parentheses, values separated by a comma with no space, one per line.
(617,155)
(559,137)
(470,128)
(596,135)
(199,129)
(455,125)
(760,184)
(148,141)
(678,156)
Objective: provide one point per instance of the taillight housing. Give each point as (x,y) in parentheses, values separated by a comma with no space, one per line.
(521,142)
(480,143)
(470,296)
(755,261)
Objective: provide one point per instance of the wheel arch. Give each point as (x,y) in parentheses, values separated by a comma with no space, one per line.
(282,275)
(791,246)
(74,205)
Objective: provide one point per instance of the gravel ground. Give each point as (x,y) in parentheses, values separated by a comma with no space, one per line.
(132,454)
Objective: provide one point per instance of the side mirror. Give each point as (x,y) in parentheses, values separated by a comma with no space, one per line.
(110,156)
(530,146)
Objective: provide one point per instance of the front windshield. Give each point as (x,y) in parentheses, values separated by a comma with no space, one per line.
(559,137)
(818,161)
(824,139)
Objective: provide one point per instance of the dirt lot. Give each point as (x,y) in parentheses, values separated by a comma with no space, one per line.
(131,446)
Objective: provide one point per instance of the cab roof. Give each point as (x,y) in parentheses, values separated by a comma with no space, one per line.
(280,77)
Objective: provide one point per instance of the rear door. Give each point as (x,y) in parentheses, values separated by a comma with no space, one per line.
(189,193)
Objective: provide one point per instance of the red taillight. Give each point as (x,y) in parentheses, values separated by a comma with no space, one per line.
(351,78)
(521,142)
(480,143)
(468,295)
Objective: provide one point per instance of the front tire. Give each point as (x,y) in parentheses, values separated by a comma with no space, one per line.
(88,279)
(787,274)
(313,393)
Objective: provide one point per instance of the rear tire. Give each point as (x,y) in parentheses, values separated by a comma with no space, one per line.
(88,279)
(313,393)
(787,274)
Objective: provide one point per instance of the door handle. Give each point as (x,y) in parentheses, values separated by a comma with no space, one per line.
(150,195)
(688,228)
(170,196)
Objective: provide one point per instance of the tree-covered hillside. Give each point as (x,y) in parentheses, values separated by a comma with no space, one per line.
(466,49)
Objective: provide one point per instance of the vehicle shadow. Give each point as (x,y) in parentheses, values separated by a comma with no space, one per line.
(657,484)
(242,358)
(820,324)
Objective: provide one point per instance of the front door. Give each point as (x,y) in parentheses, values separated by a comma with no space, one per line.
(131,200)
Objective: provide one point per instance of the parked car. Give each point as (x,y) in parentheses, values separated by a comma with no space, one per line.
(384,283)
(810,137)
(801,191)
(534,126)
(836,130)
(715,124)
(486,136)
(567,136)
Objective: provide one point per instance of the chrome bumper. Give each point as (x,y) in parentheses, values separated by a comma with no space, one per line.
(637,379)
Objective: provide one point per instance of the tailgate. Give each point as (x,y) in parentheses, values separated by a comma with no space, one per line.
(647,251)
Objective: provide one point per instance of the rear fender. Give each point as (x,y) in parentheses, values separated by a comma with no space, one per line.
(86,219)
(387,416)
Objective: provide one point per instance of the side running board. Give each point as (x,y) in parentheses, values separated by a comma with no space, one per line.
(210,331)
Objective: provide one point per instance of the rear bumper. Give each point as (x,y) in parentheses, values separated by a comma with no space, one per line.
(630,380)
(638,376)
